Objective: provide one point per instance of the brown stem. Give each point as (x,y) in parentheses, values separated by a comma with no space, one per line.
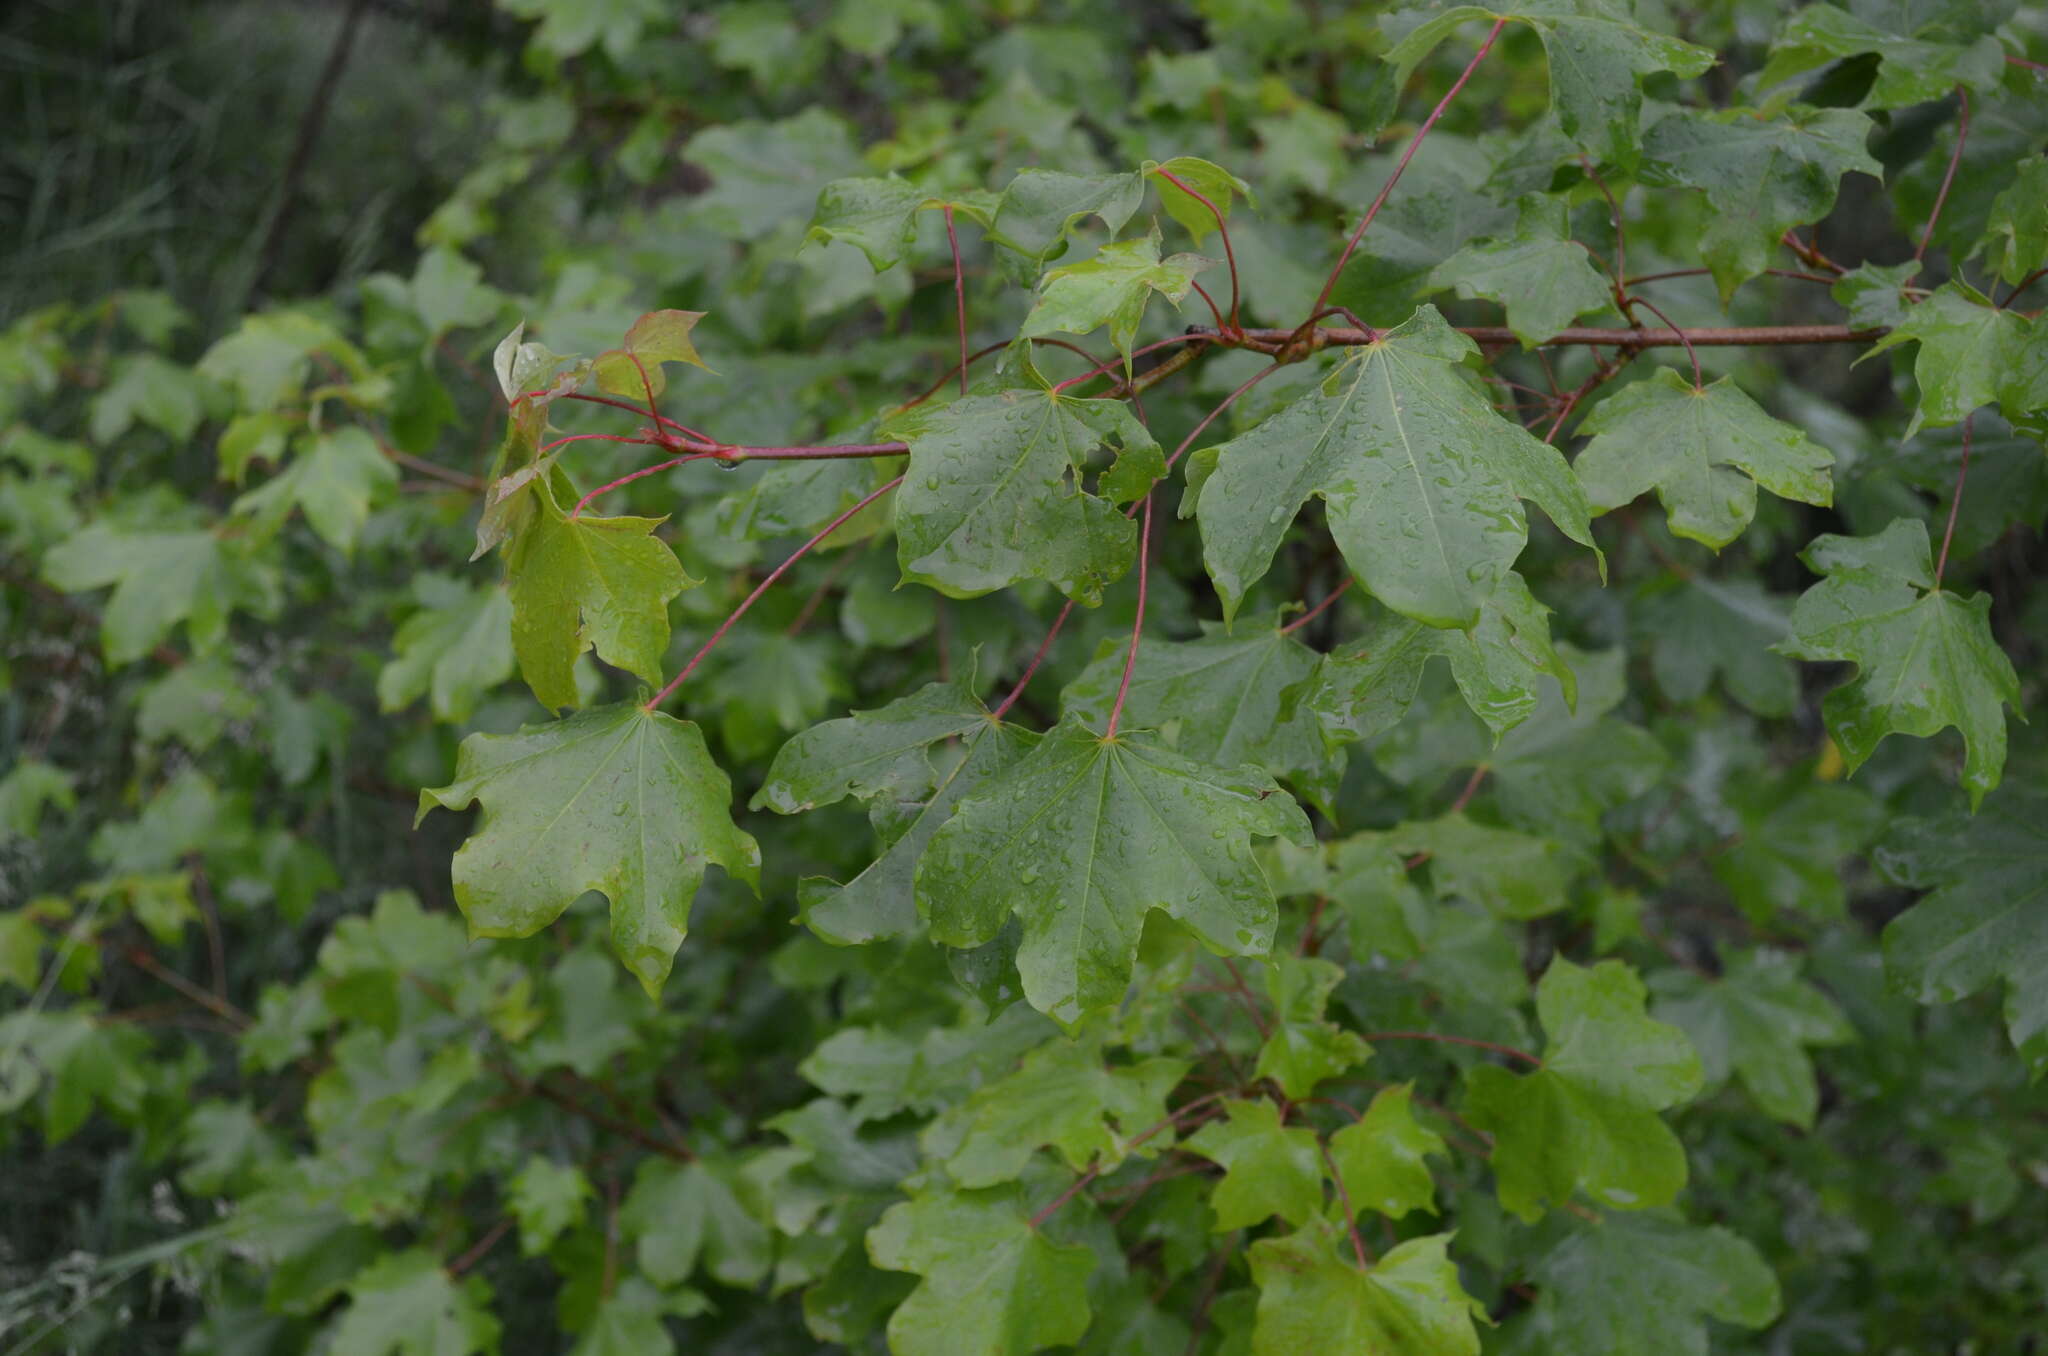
(219,1007)
(482,1247)
(1949,177)
(1344,1199)
(1305,618)
(1955,503)
(1271,340)
(310,124)
(1330,283)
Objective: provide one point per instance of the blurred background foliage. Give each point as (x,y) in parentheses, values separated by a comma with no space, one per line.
(230,227)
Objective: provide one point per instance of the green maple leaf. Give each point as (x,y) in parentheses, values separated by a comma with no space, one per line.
(161,579)
(1597,52)
(570,27)
(884,752)
(26,790)
(1421,478)
(1987,916)
(1365,688)
(1040,208)
(1911,69)
(1304,1049)
(1314,1297)
(992,1284)
(162,394)
(1381,1156)
(1267,1170)
(2015,240)
(1700,628)
(404,1304)
(765,174)
(991,494)
(880,901)
(1971,354)
(588,583)
(1704,449)
(1082,838)
(615,799)
(546,1198)
(1756,1019)
(684,1214)
(1066,1097)
(879,216)
(885,757)
(628,1321)
(1544,278)
(1587,1119)
(1789,852)
(1514,875)
(655,338)
(1926,656)
(1235,695)
(1762,175)
(1641,1285)
(1212,181)
(457,647)
(334,479)
(1875,294)
(1112,288)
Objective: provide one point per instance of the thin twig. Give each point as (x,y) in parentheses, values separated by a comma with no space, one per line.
(827,530)
(959,295)
(1037,658)
(1123,687)
(1350,245)
(1955,503)
(1439,1036)
(1949,177)
(1222,228)
(1332,596)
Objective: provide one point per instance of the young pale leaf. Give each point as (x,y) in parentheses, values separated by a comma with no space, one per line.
(1597,51)
(1366,688)
(1082,838)
(991,497)
(1422,479)
(589,583)
(1762,175)
(1926,656)
(1756,1020)
(1111,289)
(1236,695)
(1642,1285)
(615,799)
(1971,353)
(634,368)
(1313,1297)
(1588,1117)
(1267,1170)
(992,1284)
(1666,434)
(1212,181)
(1066,1097)
(1381,1156)
(1987,918)
(1544,278)
(1304,1049)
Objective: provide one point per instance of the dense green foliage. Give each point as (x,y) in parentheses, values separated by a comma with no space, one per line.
(598,786)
